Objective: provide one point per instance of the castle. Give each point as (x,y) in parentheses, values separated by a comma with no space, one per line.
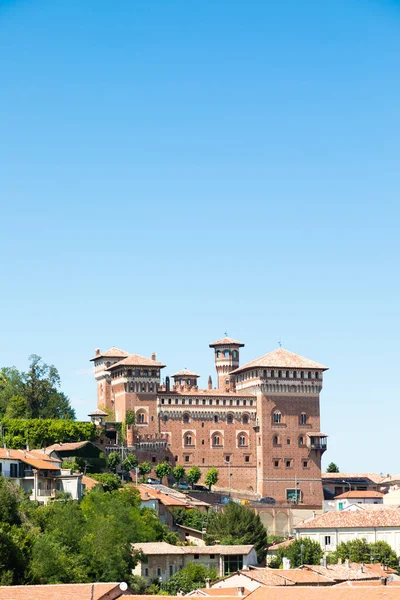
(260,428)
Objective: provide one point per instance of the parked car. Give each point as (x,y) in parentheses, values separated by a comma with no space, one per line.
(201,488)
(181,486)
(153,481)
(268,500)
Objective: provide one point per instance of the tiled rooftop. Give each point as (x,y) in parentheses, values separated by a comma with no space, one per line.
(374,477)
(287,577)
(282,358)
(366,516)
(370,494)
(158,548)
(111,353)
(226,341)
(67,591)
(329,593)
(186,373)
(135,360)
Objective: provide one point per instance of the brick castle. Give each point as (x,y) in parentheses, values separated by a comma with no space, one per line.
(260,428)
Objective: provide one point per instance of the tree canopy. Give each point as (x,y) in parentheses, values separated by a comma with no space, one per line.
(211,477)
(35,394)
(332,468)
(303,551)
(237,524)
(193,475)
(360,550)
(190,578)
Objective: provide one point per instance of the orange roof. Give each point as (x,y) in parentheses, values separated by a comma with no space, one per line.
(30,459)
(283,544)
(282,358)
(360,494)
(135,360)
(346,476)
(329,593)
(345,572)
(112,353)
(219,592)
(66,446)
(366,516)
(89,482)
(174,498)
(186,373)
(226,341)
(269,577)
(373,582)
(66,591)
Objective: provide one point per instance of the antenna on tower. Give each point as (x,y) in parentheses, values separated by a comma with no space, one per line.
(226,334)
(280,343)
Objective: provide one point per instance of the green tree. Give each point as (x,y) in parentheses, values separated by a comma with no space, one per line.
(332,468)
(303,551)
(41,389)
(193,576)
(359,550)
(110,480)
(193,475)
(211,477)
(17,408)
(11,385)
(163,469)
(144,469)
(191,517)
(130,417)
(178,473)
(237,524)
(130,462)
(114,460)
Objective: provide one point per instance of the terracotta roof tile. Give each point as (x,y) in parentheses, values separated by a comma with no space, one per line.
(361,494)
(287,577)
(66,591)
(219,592)
(135,360)
(112,353)
(158,548)
(343,572)
(374,477)
(366,516)
(30,459)
(283,544)
(329,593)
(226,341)
(186,373)
(66,446)
(282,358)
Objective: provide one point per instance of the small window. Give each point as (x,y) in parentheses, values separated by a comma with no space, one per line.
(301,441)
(277,416)
(303,419)
(212,556)
(146,571)
(153,459)
(272,373)
(288,463)
(288,441)
(159,571)
(302,375)
(276,463)
(245,419)
(247,459)
(186,418)
(294,374)
(279,373)
(226,353)
(242,440)
(275,440)
(309,374)
(316,375)
(218,353)
(287,374)
(137,372)
(171,570)
(305,464)
(196,557)
(229,419)
(327,540)
(188,440)
(202,460)
(204,401)
(145,373)
(215,418)
(186,458)
(216,440)
(202,442)
(227,458)
(202,424)
(226,381)
(234,354)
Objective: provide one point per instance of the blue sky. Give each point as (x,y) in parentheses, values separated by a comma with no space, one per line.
(170,170)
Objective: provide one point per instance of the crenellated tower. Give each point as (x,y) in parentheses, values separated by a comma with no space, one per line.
(226,361)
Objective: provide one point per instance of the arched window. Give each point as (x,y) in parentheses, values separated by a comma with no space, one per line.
(303,418)
(275,440)
(188,381)
(301,440)
(186,418)
(279,373)
(229,419)
(189,439)
(226,381)
(288,441)
(245,419)
(243,439)
(277,416)
(137,372)
(265,373)
(215,418)
(218,353)
(294,374)
(141,417)
(272,373)
(226,353)
(302,374)
(316,375)
(216,439)
(309,374)
(145,372)
(165,418)
(234,354)
(287,374)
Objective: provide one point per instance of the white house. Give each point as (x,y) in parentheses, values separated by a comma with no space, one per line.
(163,559)
(358,497)
(39,474)
(372,522)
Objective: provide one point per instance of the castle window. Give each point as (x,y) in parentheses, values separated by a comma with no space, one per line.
(288,441)
(247,458)
(265,373)
(137,372)
(215,418)
(153,373)
(309,374)
(169,400)
(234,354)
(288,463)
(275,440)
(279,373)
(276,463)
(287,374)
(316,375)
(218,353)
(294,374)
(203,461)
(272,373)
(243,439)
(204,401)
(186,418)
(188,381)
(210,402)
(183,401)
(217,402)
(176,400)
(187,458)
(190,401)
(277,416)
(244,402)
(141,417)
(302,375)
(216,439)
(165,418)
(202,442)
(229,419)
(145,373)
(305,464)
(224,402)
(188,439)
(202,424)
(129,372)
(251,402)
(245,419)
(226,353)
(153,459)
(301,441)
(162,400)
(303,418)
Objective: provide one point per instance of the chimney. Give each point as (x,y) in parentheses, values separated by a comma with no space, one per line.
(339,562)
(384,580)
(314,514)
(167,384)
(347,563)
(209,382)
(97,352)
(362,567)
(7,451)
(154,356)
(208,582)
(240,592)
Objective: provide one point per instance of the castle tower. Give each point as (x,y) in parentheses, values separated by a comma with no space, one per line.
(102,361)
(226,361)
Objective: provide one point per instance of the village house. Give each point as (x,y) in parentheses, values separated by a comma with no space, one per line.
(67,591)
(39,474)
(339,483)
(162,560)
(357,497)
(359,521)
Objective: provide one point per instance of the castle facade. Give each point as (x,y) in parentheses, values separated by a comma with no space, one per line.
(260,428)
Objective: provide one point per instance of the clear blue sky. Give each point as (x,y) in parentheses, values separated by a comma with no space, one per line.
(170,170)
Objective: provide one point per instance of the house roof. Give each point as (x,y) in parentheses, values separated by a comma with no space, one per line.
(186,373)
(390,479)
(283,544)
(226,341)
(158,548)
(98,413)
(89,482)
(67,446)
(269,577)
(218,592)
(344,572)
(31,459)
(135,360)
(112,353)
(66,591)
(374,477)
(329,593)
(360,494)
(282,358)
(168,496)
(375,515)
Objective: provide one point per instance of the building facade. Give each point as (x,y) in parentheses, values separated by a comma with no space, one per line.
(260,428)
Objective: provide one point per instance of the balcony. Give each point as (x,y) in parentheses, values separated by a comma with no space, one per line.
(317,441)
